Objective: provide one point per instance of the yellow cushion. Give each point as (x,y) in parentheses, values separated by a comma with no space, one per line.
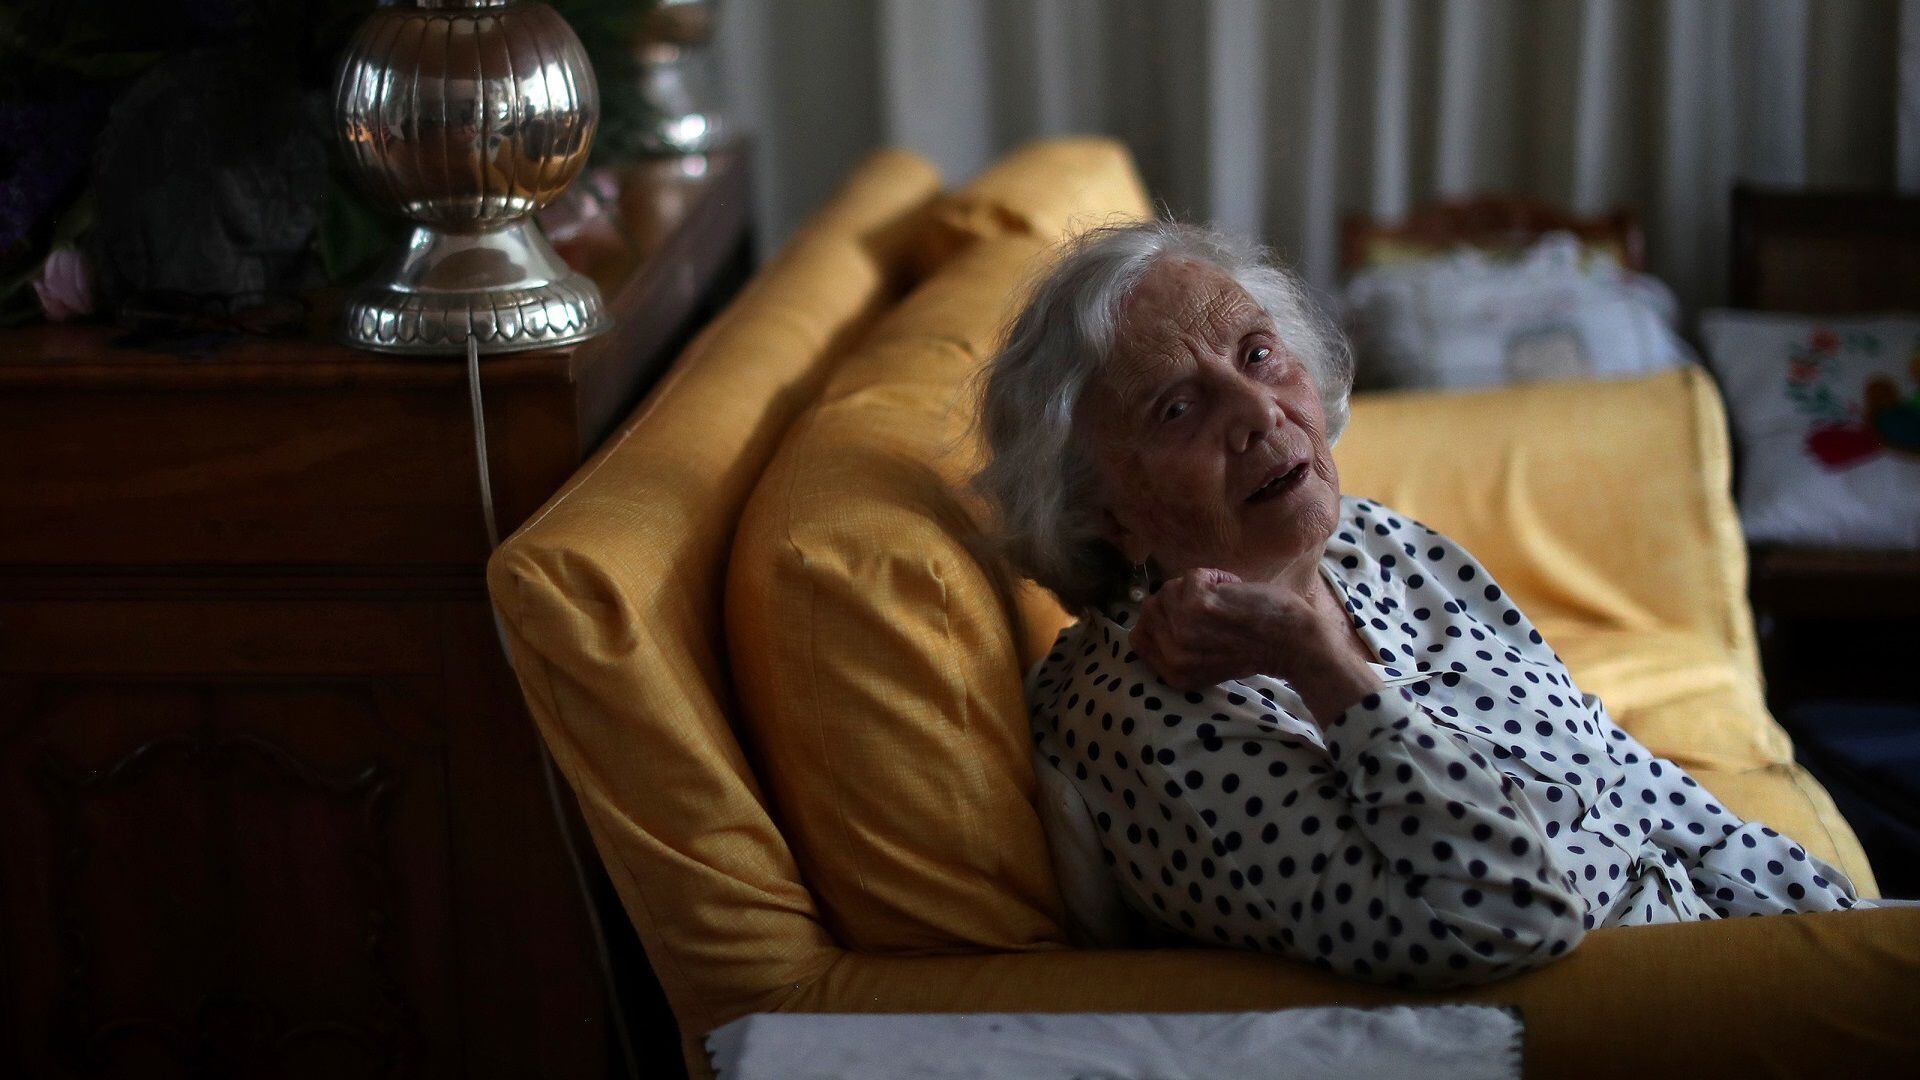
(877,659)
(609,595)
(1050,188)
(879,662)
(1822,994)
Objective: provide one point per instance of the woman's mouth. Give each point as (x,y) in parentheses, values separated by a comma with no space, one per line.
(1279,485)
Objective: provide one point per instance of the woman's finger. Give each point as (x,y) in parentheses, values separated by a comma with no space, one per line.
(1213,576)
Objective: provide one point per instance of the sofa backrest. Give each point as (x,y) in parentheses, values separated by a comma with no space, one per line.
(610,599)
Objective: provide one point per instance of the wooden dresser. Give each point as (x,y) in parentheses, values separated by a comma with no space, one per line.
(272,805)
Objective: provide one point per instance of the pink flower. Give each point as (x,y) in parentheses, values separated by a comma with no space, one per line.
(65,285)
(1825,340)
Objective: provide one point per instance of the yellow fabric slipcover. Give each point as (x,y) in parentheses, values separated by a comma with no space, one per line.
(853,601)
(612,599)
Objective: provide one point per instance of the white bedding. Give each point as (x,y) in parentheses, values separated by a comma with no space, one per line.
(1438,1042)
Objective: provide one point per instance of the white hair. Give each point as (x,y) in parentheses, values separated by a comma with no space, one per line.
(1038,480)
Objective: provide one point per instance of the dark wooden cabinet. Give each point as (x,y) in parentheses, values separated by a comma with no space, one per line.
(272,805)
(236,862)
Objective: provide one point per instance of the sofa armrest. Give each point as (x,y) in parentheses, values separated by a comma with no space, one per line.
(1824,994)
(1597,502)
(608,598)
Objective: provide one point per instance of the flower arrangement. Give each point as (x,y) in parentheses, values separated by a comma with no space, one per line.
(175,157)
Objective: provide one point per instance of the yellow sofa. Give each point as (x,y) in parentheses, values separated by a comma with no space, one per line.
(773,857)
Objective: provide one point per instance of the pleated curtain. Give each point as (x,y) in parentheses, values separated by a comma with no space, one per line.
(1276,117)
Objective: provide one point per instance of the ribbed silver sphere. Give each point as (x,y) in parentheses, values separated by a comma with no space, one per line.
(467,116)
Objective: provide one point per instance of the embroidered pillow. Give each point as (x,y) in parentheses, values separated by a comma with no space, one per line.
(1826,413)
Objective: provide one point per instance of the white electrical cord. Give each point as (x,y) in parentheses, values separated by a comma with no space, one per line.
(554,802)
(480,453)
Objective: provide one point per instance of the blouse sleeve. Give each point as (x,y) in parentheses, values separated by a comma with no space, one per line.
(1409,860)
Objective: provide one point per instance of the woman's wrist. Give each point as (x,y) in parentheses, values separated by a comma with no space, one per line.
(1334,690)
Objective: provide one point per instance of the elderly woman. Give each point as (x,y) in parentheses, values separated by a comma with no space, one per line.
(1304,722)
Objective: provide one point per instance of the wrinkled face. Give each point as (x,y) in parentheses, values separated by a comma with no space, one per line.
(1207,432)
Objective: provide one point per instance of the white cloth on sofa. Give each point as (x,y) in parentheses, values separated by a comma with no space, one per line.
(1436,1042)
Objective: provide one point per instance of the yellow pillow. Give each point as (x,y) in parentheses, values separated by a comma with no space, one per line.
(878,661)
(1050,188)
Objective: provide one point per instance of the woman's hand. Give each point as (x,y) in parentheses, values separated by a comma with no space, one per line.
(1207,626)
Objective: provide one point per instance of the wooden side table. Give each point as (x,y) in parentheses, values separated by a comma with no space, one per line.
(272,802)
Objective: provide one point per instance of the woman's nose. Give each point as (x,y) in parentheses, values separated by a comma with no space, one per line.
(1254,416)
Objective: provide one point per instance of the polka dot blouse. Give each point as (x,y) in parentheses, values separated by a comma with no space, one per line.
(1471,820)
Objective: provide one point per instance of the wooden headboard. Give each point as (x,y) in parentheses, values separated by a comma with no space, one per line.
(1490,221)
(1825,252)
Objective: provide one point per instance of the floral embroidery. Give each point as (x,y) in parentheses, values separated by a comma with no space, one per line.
(1848,431)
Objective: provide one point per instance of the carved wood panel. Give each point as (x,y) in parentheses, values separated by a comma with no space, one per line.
(230,877)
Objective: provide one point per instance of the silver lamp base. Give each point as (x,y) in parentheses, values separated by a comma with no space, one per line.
(506,288)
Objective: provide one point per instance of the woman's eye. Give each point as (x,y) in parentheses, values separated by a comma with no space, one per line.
(1259,355)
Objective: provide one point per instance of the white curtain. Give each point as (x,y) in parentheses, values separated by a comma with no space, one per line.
(1275,118)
